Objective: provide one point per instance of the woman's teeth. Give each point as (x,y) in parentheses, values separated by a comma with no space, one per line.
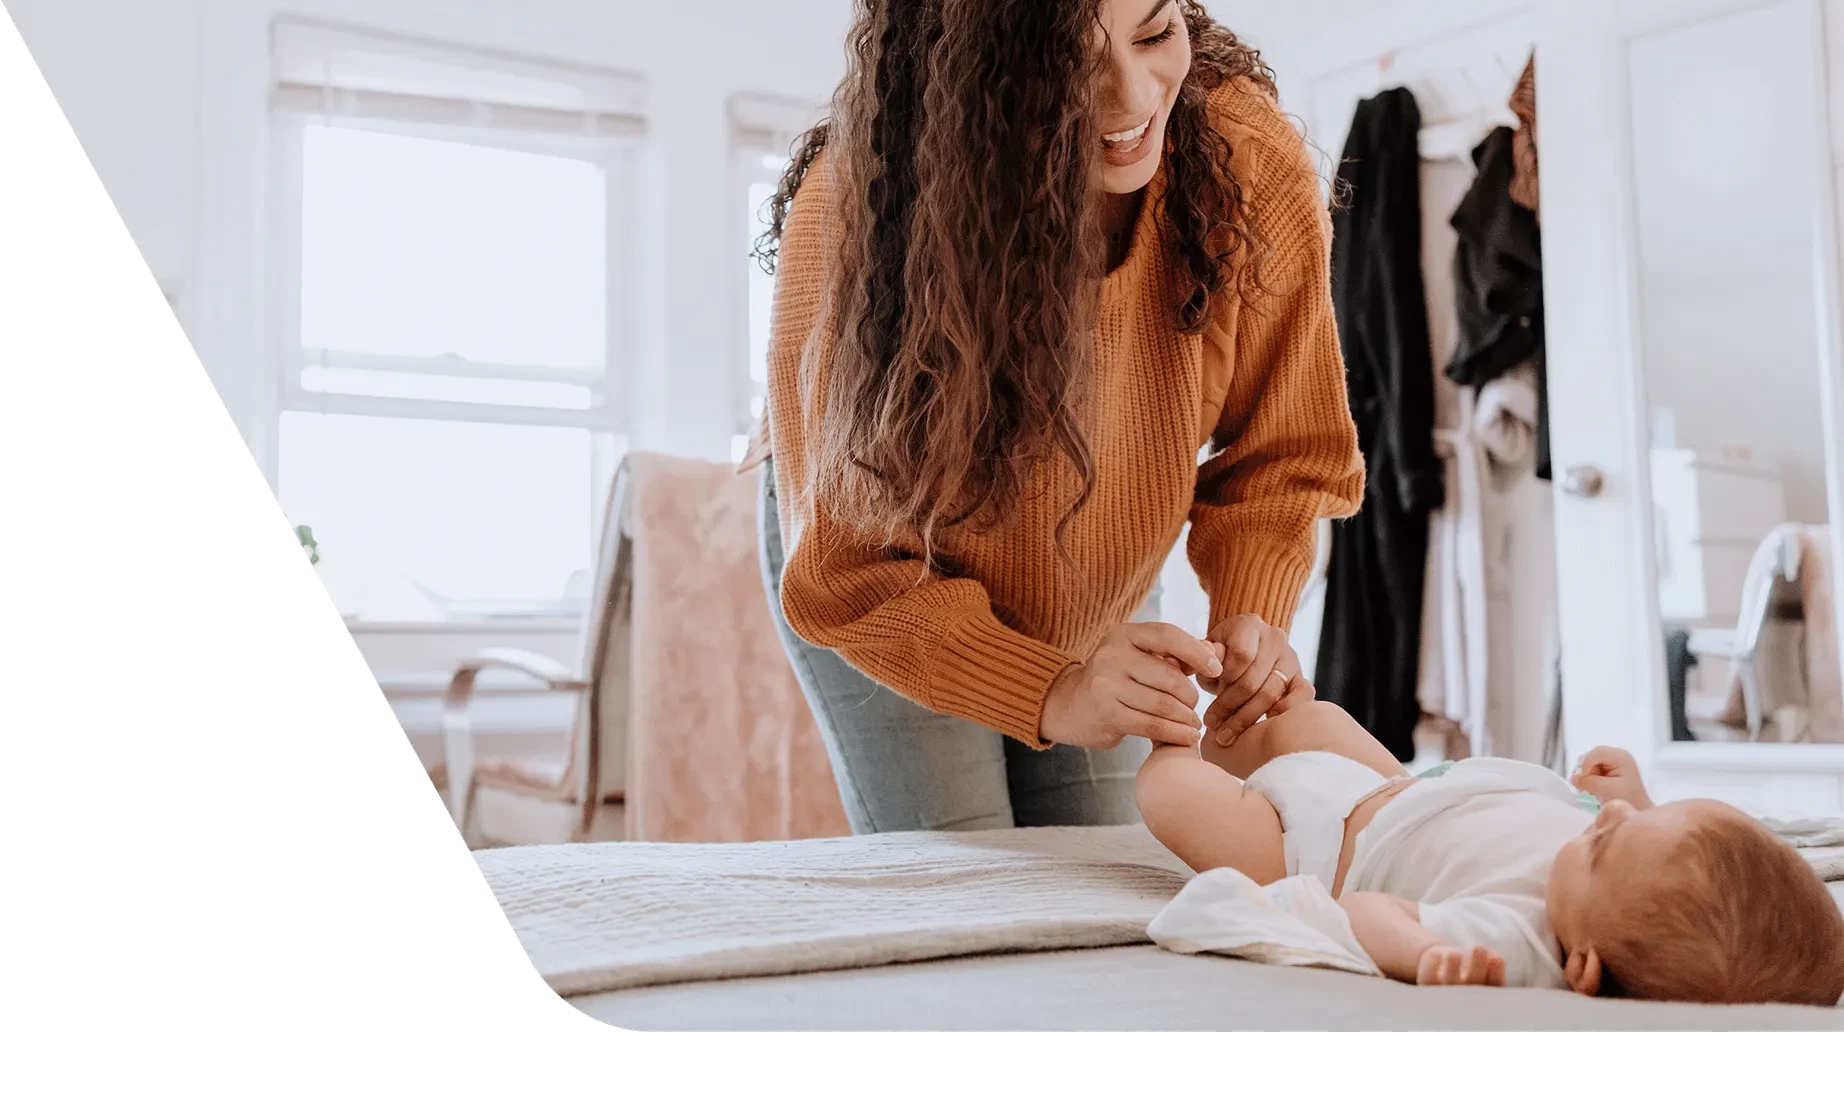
(1126,140)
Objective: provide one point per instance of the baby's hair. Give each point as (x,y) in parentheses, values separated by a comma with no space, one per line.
(1743,920)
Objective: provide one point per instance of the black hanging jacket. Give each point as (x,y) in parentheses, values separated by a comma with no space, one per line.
(1498,280)
(1370,646)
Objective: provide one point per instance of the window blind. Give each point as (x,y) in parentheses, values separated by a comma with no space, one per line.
(330,71)
(770,123)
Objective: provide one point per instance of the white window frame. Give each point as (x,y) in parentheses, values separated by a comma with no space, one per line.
(761,126)
(608,414)
(605,129)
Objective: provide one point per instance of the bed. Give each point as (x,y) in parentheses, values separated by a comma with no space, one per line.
(1007,930)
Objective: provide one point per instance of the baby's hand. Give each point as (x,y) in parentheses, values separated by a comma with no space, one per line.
(1451,965)
(1609,773)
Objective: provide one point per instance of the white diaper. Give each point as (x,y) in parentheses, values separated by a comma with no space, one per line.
(1314,793)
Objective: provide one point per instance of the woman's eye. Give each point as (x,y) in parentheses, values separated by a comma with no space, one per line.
(1165,36)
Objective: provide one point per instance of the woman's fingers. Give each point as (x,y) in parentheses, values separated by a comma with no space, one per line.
(1151,700)
(1266,659)
(1297,694)
(1211,684)
(1254,710)
(1161,675)
(1245,689)
(1135,723)
(1241,687)
(1241,641)
(1160,639)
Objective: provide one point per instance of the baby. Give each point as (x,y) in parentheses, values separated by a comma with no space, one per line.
(1494,873)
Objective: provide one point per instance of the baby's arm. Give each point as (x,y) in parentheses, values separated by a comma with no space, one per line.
(1390,931)
(1210,819)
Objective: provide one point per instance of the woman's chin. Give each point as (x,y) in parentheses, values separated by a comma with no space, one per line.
(1128,179)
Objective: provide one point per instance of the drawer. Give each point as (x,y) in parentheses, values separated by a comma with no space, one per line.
(1725,571)
(1711,516)
(1702,501)
(1737,509)
(1703,582)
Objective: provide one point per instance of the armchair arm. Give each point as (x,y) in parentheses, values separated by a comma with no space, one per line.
(536,665)
(457,724)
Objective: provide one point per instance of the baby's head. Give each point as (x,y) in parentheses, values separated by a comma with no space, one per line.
(1694,902)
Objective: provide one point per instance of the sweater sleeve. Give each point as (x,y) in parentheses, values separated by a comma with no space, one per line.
(931,638)
(1284,453)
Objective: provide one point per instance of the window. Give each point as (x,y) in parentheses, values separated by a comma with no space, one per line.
(764,174)
(762,132)
(451,348)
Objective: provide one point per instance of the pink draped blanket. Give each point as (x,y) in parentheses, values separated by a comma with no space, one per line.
(722,746)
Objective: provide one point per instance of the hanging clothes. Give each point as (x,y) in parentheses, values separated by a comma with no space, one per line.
(1498,269)
(1444,689)
(1482,663)
(1369,647)
(1468,621)
(1524,146)
(1525,192)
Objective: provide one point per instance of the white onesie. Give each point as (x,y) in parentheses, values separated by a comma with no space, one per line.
(1473,848)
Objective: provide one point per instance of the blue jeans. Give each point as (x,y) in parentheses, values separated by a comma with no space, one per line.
(901,766)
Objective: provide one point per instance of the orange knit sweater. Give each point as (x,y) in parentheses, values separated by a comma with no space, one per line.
(1263,388)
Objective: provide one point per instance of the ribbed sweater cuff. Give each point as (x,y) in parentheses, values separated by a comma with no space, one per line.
(1266,584)
(987,672)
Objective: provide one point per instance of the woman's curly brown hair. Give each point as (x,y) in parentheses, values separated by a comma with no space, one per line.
(962,146)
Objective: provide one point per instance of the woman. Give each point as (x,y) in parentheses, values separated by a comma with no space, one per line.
(1043,254)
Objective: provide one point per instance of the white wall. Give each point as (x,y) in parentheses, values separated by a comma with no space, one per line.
(1834,32)
(130,89)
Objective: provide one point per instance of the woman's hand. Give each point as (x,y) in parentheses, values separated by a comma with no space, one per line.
(1260,678)
(1134,684)
(1609,773)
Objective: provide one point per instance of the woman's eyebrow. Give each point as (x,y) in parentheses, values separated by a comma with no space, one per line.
(1154,14)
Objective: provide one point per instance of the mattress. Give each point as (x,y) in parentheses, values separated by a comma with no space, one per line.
(1144,988)
(1000,930)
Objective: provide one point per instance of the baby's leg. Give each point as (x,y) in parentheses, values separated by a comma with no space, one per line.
(1209,818)
(1312,728)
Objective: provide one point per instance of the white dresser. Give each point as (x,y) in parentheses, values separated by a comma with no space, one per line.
(1712,512)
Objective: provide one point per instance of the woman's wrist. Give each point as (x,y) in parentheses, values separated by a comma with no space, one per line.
(1050,718)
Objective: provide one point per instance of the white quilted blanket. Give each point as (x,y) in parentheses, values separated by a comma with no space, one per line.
(620,915)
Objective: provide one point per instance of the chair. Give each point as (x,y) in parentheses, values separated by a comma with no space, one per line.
(1771,590)
(580,797)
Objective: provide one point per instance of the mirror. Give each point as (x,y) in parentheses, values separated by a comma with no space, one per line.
(1731,185)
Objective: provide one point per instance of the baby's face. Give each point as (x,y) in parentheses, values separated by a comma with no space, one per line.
(1619,853)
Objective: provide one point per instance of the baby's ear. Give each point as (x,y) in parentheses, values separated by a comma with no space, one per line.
(1583,972)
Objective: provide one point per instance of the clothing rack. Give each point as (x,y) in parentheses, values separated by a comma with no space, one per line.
(1453,140)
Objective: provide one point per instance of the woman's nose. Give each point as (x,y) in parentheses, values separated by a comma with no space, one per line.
(1127,91)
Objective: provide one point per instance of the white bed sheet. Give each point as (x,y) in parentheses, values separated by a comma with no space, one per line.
(1007,930)
(1144,988)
